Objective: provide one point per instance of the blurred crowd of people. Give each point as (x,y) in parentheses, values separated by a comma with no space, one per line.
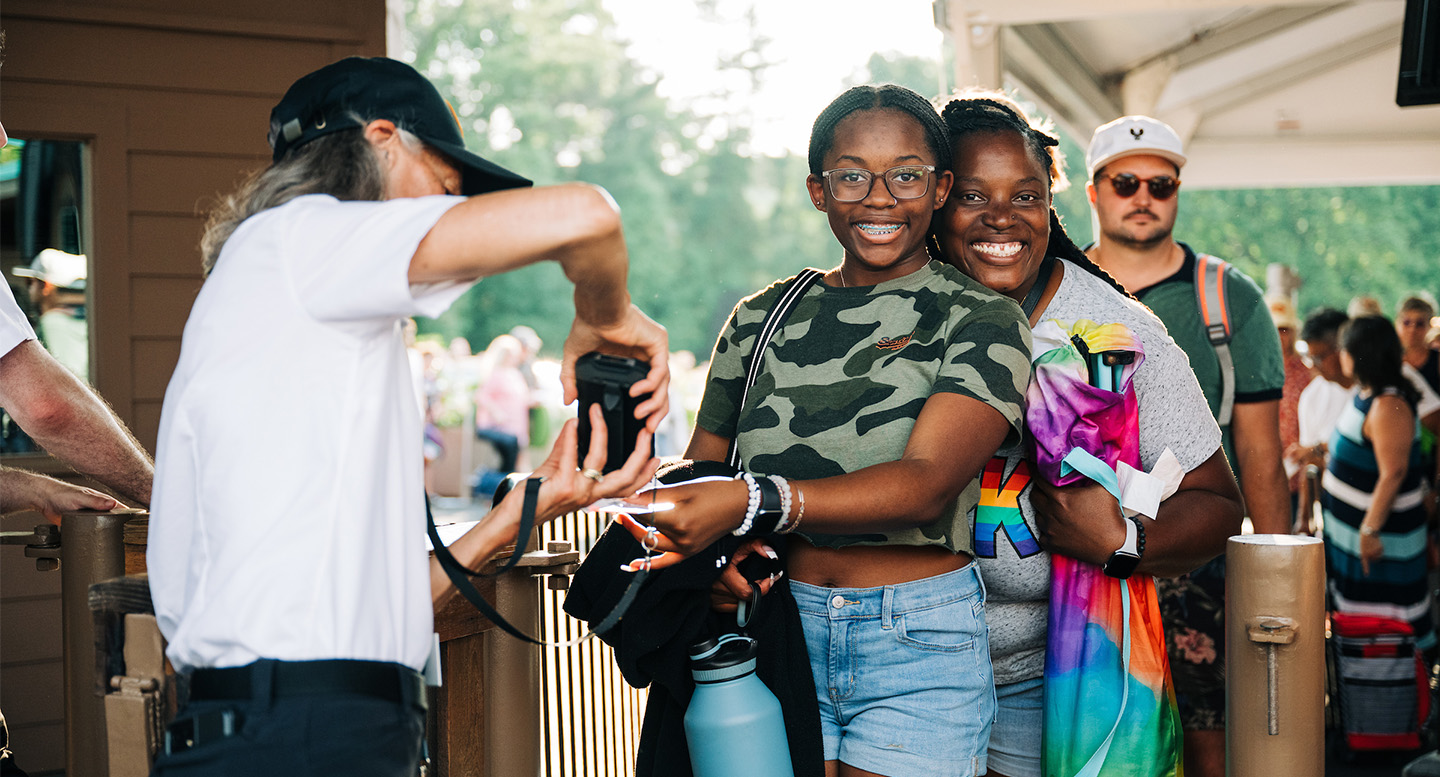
(1359,420)
(509,396)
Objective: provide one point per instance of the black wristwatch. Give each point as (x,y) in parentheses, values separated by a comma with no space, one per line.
(1123,561)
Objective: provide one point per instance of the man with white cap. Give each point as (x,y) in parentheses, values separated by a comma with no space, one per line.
(57,290)
(1219,317)
(289,572)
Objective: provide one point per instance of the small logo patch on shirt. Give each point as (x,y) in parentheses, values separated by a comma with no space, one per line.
(893,343)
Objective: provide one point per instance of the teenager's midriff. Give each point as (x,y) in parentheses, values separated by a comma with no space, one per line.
(869,566)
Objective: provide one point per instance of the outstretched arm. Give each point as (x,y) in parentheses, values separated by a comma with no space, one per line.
(21,490)
(565,490)
(578,226)
(1083,520)
(912,491)
(70,421)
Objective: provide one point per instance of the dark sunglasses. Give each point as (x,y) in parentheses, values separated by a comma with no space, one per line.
(1162,187)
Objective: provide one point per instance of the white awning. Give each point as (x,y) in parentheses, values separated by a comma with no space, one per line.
(1265,95)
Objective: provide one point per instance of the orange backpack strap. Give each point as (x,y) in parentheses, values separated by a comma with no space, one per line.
(1215,311)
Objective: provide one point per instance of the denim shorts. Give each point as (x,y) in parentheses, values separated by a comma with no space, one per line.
(1015,740)
(902,673)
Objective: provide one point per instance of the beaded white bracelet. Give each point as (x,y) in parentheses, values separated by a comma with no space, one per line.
(752,508)
(784,486)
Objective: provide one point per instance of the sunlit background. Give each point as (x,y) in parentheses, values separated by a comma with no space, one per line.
(695,115)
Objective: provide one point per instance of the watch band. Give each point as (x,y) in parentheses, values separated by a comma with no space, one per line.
(1126,558)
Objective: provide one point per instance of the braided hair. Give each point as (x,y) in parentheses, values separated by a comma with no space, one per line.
(867,97)
(976,111)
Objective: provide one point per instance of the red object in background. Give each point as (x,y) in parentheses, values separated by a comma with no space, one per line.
(1384,689)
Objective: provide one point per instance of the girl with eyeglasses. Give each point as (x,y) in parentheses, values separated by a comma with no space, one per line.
(892,382)
(998,227)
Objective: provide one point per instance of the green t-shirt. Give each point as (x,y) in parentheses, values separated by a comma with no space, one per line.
(1254,344)
(846,377)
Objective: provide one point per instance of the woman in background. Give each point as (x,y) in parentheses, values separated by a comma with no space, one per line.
(1373,489)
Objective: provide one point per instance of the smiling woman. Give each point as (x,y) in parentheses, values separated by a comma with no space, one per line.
(998,227)
(863,387)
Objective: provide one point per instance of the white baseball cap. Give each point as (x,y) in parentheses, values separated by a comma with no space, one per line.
(1131,135)
(56,267)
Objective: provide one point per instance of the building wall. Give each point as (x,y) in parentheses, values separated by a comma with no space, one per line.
(173,99)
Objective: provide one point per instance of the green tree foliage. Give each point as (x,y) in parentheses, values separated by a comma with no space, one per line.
(547,87)
(1377,240)
(921,74)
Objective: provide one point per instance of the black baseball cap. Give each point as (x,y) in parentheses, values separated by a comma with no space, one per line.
(340,95)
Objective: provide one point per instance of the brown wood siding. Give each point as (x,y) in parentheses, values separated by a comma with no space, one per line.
(173,98)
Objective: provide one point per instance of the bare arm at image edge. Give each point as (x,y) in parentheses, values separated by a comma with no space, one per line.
(71,422)
(21,490)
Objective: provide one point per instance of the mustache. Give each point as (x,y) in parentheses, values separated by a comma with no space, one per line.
(1142,212)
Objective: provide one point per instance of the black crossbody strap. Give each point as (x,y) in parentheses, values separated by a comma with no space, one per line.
(774,319)
(460,576)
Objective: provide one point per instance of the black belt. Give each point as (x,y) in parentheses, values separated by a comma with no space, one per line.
(379,679)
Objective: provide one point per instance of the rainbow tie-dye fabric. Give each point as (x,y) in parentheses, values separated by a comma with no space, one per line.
(1109,699)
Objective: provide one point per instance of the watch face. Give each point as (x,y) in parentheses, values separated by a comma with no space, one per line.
(1121,564)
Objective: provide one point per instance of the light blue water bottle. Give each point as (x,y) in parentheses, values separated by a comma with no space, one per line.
(733,724)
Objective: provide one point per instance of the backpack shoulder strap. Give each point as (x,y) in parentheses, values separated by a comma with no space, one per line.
(1214,304)
(774,319)
(1211,292)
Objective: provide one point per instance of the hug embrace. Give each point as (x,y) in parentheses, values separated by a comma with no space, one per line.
(890,405)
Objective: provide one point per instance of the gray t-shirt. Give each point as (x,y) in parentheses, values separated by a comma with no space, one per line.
(1173,414)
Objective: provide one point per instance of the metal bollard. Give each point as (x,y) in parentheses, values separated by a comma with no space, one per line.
(91,550)
(1275,655)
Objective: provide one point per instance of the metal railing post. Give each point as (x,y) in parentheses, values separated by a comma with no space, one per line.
(91,550)
(512,668)
(1274,655)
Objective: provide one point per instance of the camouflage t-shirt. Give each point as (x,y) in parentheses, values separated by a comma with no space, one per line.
(846,377)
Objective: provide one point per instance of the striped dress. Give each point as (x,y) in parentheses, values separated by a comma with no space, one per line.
(1396,586)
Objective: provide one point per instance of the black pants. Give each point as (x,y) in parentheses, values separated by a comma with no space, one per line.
(506,444)
(321,735)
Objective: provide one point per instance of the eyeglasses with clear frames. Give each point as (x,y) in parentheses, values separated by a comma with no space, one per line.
(853,184)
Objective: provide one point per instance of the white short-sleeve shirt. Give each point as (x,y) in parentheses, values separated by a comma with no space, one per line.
(1318,409)
(14,326)
(1429,401)
(288,512)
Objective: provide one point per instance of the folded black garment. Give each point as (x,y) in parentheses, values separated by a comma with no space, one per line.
(672,612)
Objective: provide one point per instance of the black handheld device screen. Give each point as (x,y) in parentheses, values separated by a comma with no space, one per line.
(606,380)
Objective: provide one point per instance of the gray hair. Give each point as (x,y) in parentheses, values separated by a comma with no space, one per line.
(342,164)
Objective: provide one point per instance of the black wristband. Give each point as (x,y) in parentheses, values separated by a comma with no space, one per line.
(1139,536)
(767,518)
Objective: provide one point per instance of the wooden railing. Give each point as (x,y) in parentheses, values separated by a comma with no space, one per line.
(590,715)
